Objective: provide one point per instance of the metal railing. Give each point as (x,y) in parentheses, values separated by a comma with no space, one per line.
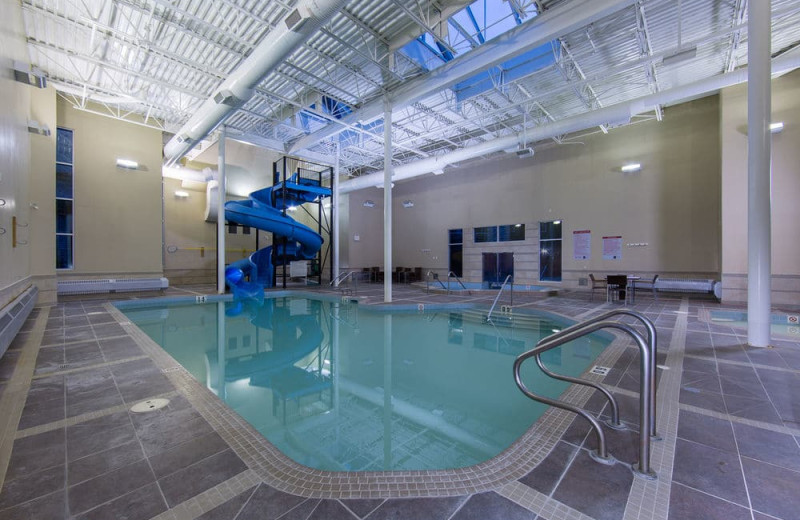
(496,298)
(341,277)
(435,276)
(451,274)
(647,384)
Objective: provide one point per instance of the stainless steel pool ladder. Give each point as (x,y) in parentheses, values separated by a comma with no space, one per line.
(509,277)
(341,277)
(435,276)
(450,275)
(647,383)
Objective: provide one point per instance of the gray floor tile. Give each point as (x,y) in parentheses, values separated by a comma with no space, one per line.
(594,489)
(773,490)
(687,503)
(41,412)
(119,348)
(267,503)
(82,442)
(491,506)
(31,485)
(186,454)
(96,464)
(140,504)
(193,480)
(229,509)
(160,436)
(107,330)
(754,409)
(707,400)
(85,353)
(706,430)
(768,446)
(48,507)
(77,334)
(305,509)
(362,506)
(710,470)
(37,452)
(109,486)
(331,510)
(544,477)
(416,508)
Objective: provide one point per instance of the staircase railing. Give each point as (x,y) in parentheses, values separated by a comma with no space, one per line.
(341,277)
(450,275)
(435,278)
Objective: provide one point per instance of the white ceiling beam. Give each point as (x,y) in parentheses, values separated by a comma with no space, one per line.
(529,35)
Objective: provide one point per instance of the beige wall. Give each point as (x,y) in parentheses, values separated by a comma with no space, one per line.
(14,157)
(673,204)
(785,192)
(43,195)
(117,211)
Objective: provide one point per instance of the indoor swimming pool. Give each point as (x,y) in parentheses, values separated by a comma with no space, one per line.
(339,386)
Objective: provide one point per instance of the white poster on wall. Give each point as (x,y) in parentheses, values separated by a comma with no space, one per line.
(581,244)
(612,248)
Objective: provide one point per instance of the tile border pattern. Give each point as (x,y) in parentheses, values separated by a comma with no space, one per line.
(282,473)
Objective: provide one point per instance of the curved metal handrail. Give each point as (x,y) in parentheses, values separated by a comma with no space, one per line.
(428,281)
(451,274)
(645,401)
(652,342)
(341,277)
(491,310)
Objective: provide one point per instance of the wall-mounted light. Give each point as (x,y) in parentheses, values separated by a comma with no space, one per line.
(557,222)
(128,164)
(408,203)
(438,171)
(369,204)
(776,128)
(291,208)
(35,128)
(326,205)
(381,186)
(180,194)
(517,225)
(631,167)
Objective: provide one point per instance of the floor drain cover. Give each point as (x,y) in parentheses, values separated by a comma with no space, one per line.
(150,405)
(600,371)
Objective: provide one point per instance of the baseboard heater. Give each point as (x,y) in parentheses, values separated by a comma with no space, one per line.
(691,285)
(13,315)
(111,285)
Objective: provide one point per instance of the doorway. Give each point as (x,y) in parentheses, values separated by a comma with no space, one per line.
(496,266)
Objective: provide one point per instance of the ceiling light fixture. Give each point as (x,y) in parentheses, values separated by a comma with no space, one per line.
(776,128)
(630,168)
(679,56)
(128,164)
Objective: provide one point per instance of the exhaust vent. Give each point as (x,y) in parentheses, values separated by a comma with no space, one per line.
(228,98)
(294,20)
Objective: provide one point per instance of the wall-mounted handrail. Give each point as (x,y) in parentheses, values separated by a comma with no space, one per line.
(491,310)
(647,352)
(651,341)
(341,277)
(428,280)
(451,274)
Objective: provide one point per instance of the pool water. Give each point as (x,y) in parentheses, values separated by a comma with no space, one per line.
(786,325)
(339,387)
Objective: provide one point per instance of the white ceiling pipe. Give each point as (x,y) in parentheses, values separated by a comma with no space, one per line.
(301,23)
(613,115)
(538,31)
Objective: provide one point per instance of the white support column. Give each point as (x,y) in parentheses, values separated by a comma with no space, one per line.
(221,215)
(759,255)
(387,201)
(335,213)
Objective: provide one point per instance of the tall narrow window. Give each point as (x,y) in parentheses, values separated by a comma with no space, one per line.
(456,240)
(550,251)
(64,199)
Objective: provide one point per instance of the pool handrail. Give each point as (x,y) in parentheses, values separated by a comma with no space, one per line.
(648,351)
(491,310)
(451,274)
(428,281)
(341,277)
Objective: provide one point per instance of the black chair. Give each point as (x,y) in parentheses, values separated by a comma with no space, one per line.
(616,285)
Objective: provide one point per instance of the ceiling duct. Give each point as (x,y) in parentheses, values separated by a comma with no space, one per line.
(238,88)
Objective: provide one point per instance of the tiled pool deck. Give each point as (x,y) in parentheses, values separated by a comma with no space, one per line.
(728,415)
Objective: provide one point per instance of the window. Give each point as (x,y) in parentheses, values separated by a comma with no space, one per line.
(64,199)
(231,228)
(550,251)
(485,234)
(512,232)
(456,241)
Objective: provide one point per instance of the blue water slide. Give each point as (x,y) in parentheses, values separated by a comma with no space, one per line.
(263,210)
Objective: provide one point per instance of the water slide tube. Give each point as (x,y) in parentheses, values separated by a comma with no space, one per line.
(260,212)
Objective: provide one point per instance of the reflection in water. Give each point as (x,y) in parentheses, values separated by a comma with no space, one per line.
(338,387)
